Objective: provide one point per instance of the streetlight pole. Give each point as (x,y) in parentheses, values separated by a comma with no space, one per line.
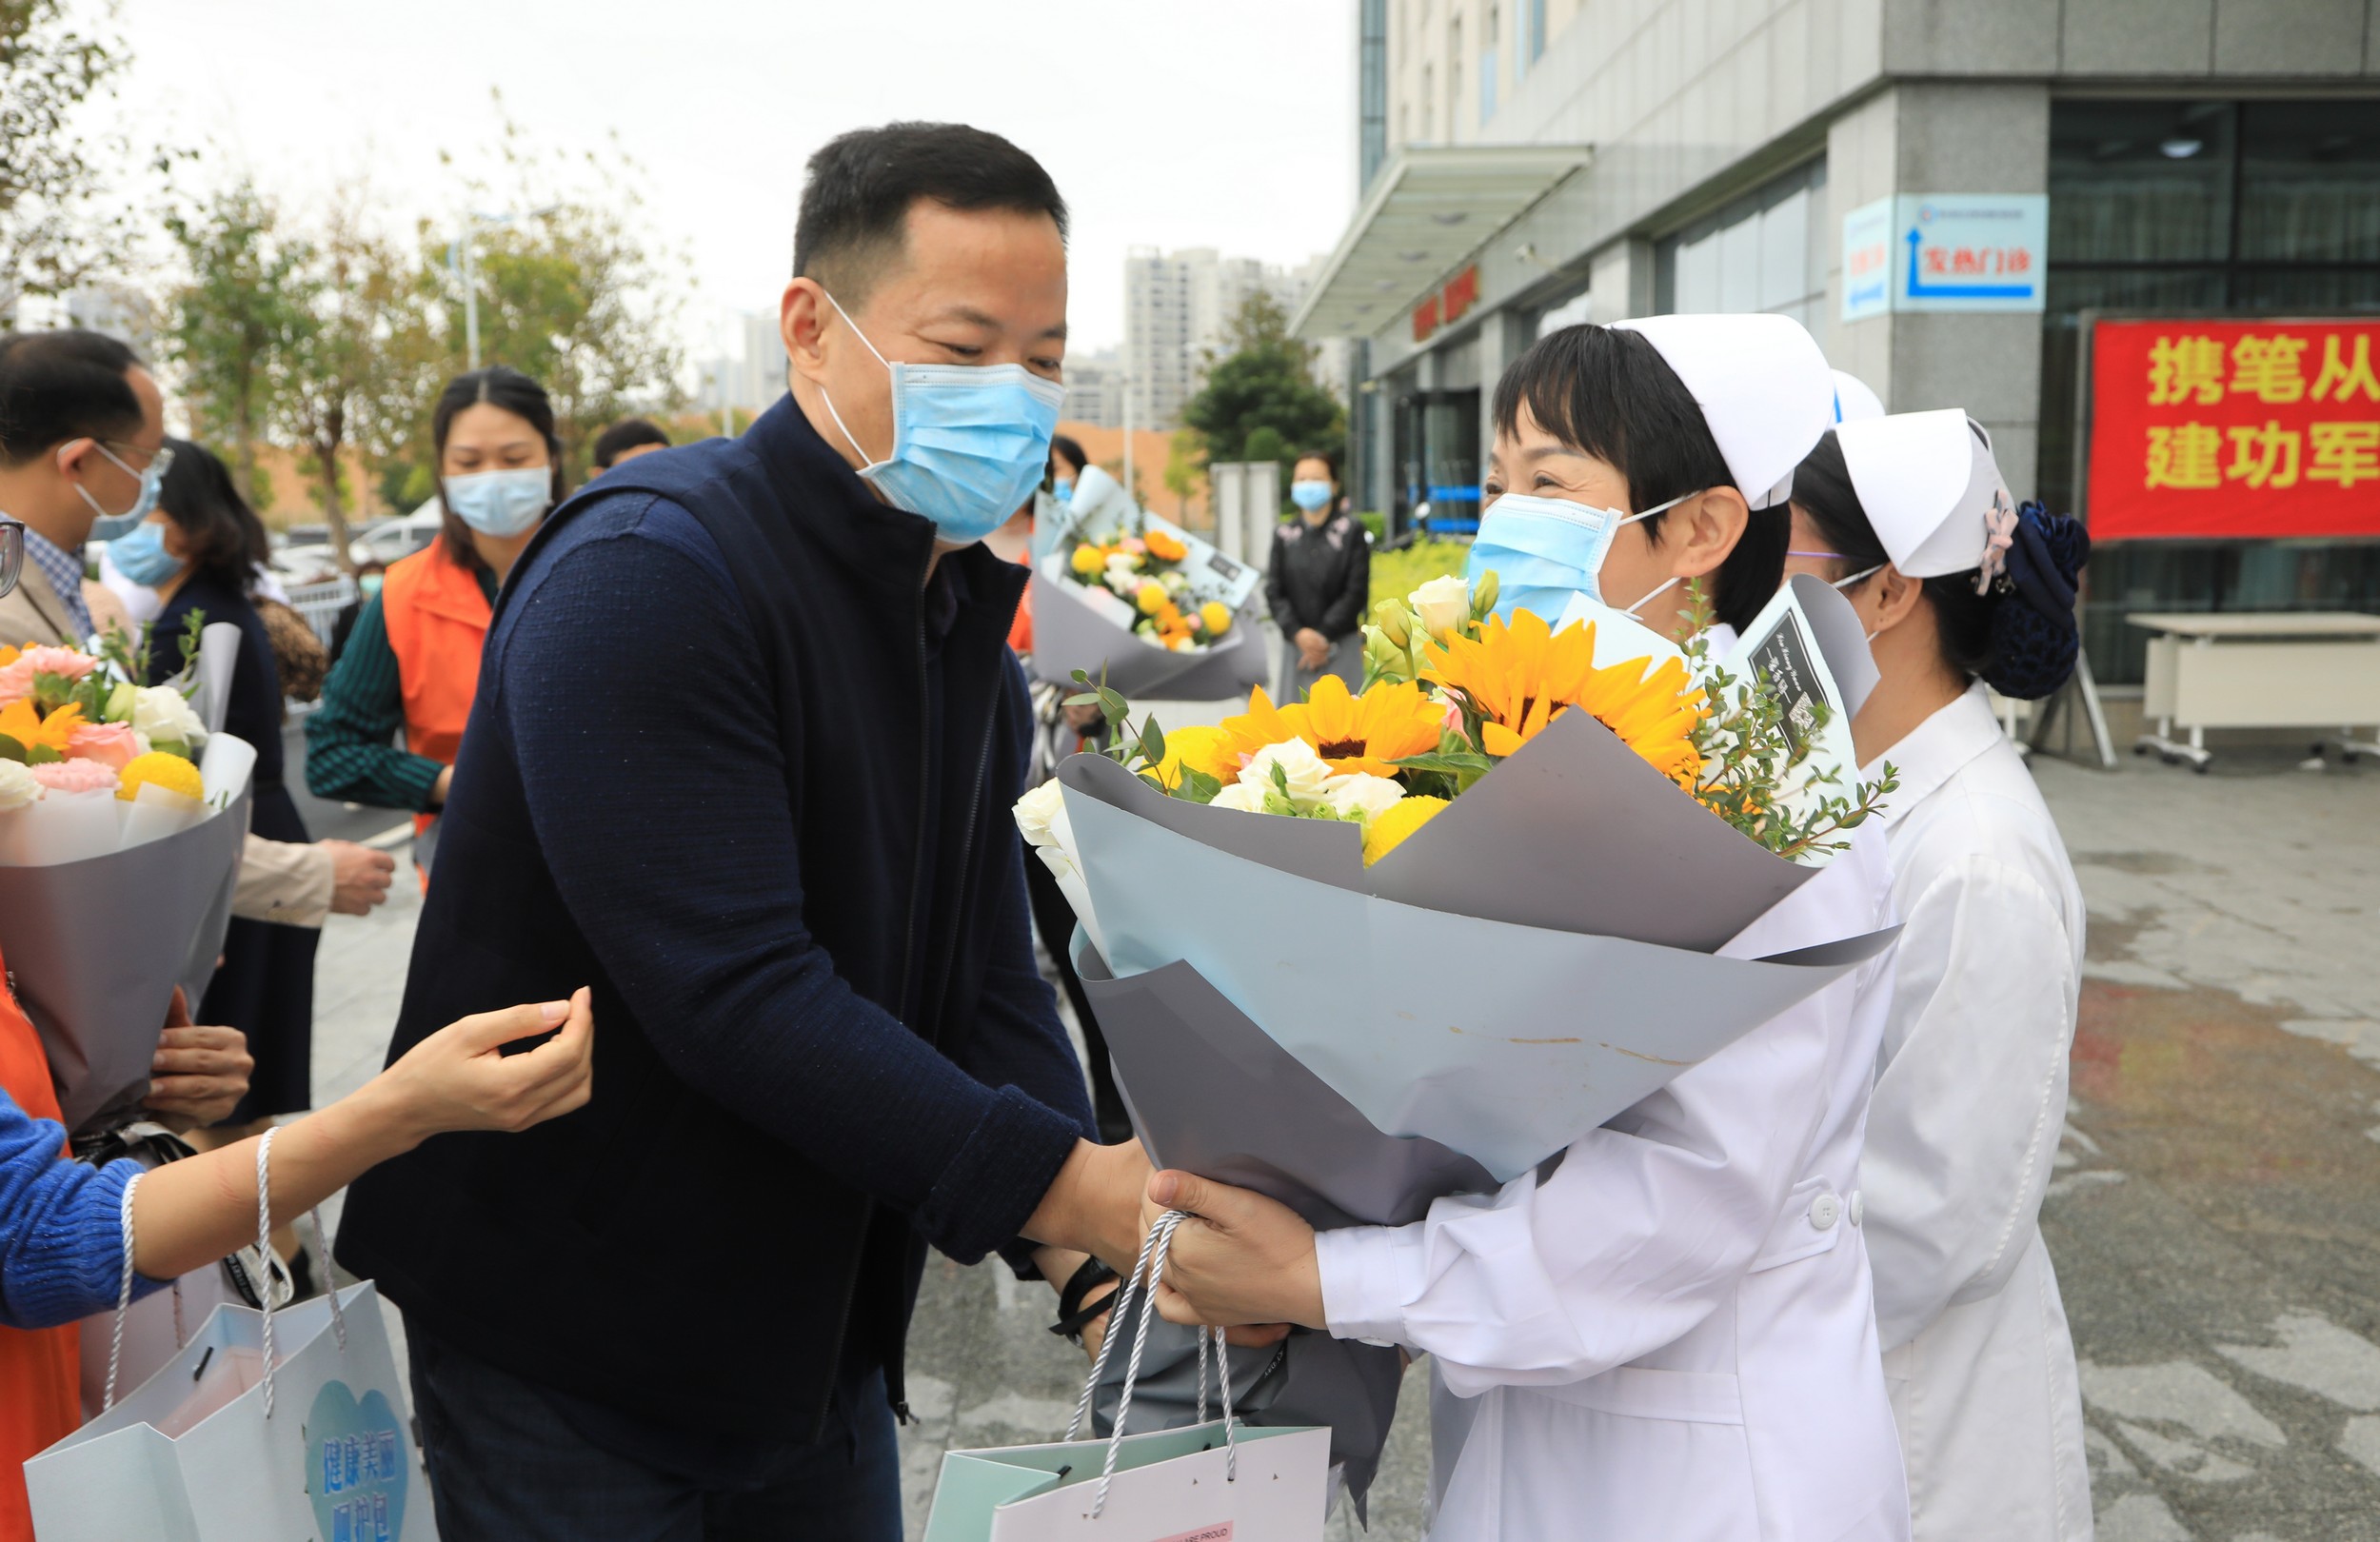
(468,268)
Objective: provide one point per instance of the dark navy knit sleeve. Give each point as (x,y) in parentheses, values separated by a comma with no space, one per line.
(628,682)
(61,1226)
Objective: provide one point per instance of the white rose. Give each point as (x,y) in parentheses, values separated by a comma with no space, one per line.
(18,786)
(1239,794)
(1362,795)
(161,714)
(1306,772)
(1042,812)
(1443,604)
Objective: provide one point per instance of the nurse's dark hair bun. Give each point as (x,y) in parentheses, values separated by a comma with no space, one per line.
(2034,635)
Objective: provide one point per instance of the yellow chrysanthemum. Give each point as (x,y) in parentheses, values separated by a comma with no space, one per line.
(1088,559)
(20,721)
(1390,827)
(159,769)
(1150,598)
(1521,677)
(1218,616)
(1353,733)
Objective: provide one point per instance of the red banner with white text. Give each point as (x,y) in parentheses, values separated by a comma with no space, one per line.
(2234,429)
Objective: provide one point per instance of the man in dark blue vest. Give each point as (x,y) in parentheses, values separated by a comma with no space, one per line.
(742,755)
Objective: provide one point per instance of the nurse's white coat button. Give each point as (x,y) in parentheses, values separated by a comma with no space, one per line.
(1858,1207)
(1823,1210)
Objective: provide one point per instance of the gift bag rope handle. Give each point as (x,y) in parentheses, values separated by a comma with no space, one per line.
(1146,1271)
(264,1252)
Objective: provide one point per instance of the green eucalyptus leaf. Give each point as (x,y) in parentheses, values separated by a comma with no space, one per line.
(42,755)
(10,749)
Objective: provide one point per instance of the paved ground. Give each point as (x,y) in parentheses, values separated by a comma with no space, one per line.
(2215,1224)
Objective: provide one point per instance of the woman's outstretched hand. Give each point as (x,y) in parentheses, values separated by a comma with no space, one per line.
(189,1212)
(460,1078)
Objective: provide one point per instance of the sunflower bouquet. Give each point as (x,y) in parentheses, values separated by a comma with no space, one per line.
(1453,897)
(1126,589)
(121,824)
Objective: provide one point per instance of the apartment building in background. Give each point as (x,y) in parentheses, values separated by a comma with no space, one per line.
(1178,306)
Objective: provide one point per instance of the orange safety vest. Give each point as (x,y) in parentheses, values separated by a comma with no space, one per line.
(437,621)
(40,1368)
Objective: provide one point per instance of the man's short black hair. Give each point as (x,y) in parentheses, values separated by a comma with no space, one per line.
(60,386)
(1609,392)
(856,203)
(626,435)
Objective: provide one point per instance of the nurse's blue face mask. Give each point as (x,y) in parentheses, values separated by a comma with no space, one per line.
(970,441)
(1543,550)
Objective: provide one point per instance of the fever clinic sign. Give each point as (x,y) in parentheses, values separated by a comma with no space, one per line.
(1945,251)
(2234,429)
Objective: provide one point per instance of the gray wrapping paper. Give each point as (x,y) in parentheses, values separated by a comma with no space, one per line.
(1069,635)
(1501,1041)
(1211,1093)
(96,948)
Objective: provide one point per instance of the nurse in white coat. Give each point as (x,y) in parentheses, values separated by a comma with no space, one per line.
(1666,1335)
(1909,516)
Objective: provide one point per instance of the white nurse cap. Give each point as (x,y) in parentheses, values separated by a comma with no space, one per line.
(1930,487)
(1854,401)
(1764,389)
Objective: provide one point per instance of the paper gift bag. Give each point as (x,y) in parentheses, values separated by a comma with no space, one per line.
(1217,1481)
(192,1456)
(270,1423)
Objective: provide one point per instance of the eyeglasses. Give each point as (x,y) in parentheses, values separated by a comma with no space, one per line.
(12,553)
(158,459)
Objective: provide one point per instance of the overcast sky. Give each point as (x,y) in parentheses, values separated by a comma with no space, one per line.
(1172,123)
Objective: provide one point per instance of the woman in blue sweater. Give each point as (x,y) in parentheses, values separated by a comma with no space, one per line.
(61,1221)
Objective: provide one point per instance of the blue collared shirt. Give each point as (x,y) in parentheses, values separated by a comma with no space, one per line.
(64,569)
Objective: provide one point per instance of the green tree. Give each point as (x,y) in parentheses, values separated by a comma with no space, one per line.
(572,294)
(352,376)
(53,229)
(232,326)
(1185,454)
(1265,383)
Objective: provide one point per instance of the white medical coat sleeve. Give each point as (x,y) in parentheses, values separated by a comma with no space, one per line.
(1972,1100)
(1644,1228)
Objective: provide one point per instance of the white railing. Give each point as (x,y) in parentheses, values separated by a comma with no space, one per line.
(320,604)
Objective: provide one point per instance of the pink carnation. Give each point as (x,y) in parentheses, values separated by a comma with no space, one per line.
(17,678)
(75,776)
(109,744)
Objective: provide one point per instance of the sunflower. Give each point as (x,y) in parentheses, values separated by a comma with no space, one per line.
(1520,676)
(1353,733)
(22,722)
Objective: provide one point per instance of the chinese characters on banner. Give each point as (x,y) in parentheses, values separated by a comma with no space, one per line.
(2230,428)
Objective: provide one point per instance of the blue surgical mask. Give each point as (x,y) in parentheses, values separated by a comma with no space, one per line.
(116,527)
(1063,493)
(969,440)
(141,556)
(369,585)
(1543,550)
(1311,496)
(502,503)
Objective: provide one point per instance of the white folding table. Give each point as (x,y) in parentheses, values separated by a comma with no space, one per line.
(2316,669)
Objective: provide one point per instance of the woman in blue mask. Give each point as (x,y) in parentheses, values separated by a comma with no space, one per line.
(200,551)
(1318,583)
(1636,462)
(411,661)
